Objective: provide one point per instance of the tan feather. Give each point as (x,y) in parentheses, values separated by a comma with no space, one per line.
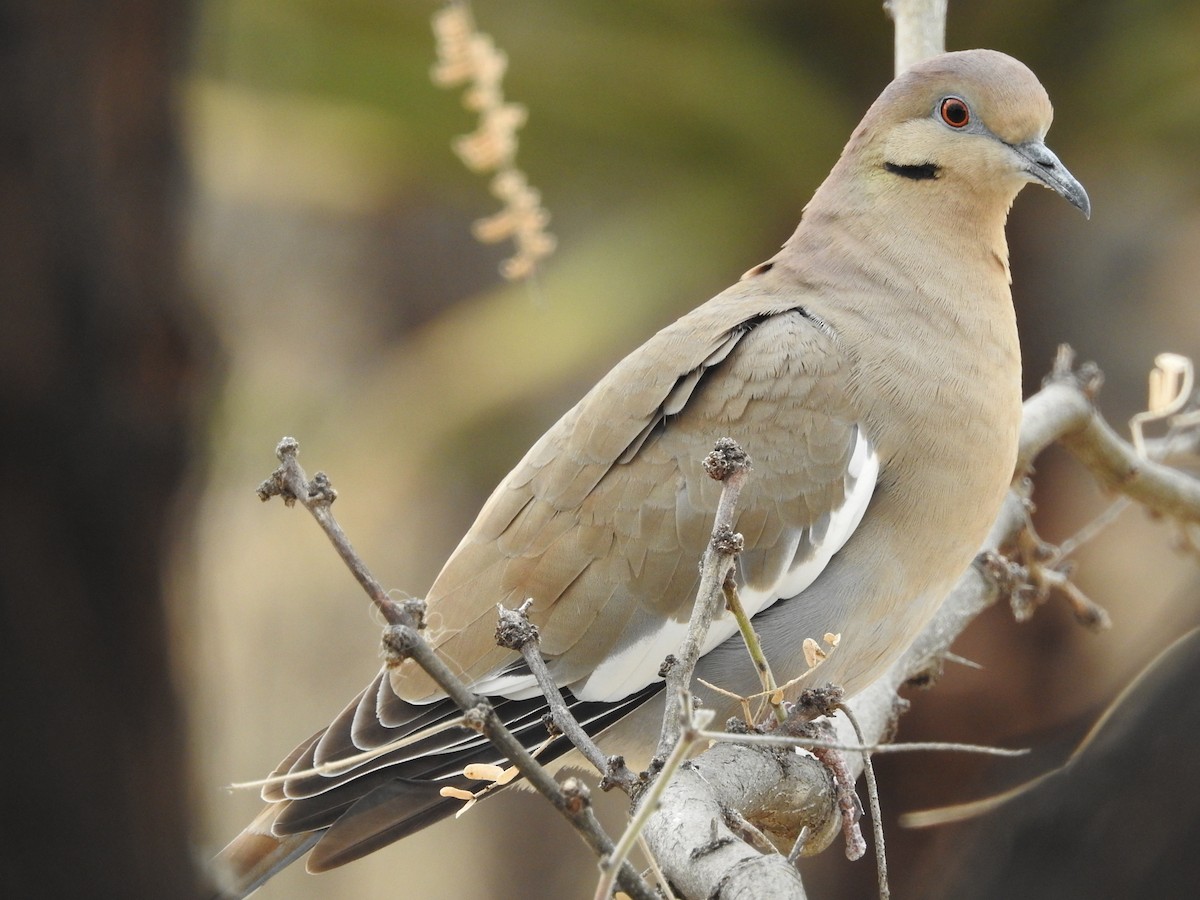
(871,370)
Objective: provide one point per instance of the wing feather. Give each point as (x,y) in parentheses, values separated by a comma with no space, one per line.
(604,521)
(602,524)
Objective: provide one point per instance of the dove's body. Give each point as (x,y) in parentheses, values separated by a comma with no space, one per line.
(871,369)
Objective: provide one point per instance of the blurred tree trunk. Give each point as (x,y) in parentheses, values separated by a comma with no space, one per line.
(101,356)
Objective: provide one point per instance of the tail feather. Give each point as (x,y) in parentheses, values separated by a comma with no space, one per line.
(388,813)
(346,813)
(257,854)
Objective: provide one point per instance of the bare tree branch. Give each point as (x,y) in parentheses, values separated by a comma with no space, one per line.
(765,790)
(1063,410)
(290,482)
(920,29)
(516,632)
(402,640)
(702,855)
(729,464)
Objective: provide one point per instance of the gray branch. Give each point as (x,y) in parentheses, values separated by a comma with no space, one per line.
(689,820)
(402,639)
(920,29)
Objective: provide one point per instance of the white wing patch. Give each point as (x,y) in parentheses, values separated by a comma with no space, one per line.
(519,686)
(637,665)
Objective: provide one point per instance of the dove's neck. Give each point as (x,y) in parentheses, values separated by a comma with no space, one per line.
(913,277)
(937,232)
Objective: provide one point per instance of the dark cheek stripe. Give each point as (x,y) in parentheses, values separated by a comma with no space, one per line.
(922,172)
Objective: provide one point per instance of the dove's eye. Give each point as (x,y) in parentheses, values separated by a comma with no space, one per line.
(955,112)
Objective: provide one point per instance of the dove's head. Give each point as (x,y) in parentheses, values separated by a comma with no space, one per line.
(974,120)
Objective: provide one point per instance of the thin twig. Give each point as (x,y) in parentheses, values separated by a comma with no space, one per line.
(1086,610)
(730,465)
(960,811)
(1063,411)
(660,878)
(516,632)
(1154,450)
(848,803)
(406,642)
(1091,529)
(748,831)
(802,743)
(798,847)
(689,730)
(750,638)
(962,661)
(876,811)
(773,696)
(290,483)
(402,640)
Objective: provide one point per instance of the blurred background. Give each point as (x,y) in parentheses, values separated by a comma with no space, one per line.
(229,220)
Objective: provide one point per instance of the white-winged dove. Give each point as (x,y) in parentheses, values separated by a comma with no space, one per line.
(871,369)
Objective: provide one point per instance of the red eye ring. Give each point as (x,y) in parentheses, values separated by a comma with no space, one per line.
(955,112)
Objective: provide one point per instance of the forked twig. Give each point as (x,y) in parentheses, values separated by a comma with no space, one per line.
(770,692)
(516,632)
(730,465)
(402,640)
(690,729)
(289,482)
